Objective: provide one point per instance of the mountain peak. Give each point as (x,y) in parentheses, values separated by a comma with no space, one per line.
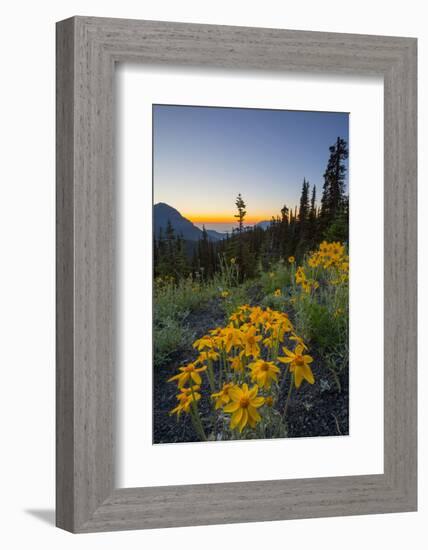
(164,213)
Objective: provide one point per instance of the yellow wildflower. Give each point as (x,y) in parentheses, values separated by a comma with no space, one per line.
(231,337)
(264,373)
(222,397)
(236,362)
(300,275)
(237,317)
(209,355)
(338,312)
(186,398)
(269,341)
(232,261)
(306,286)
(291,259)
(299,365)
(224,294)
(277,292)
(204,342)
(257,315)
(269,401)
(187,374)
(278,331)
(251,339)
(299,340)
(329,255)
(313,261)
(243,406)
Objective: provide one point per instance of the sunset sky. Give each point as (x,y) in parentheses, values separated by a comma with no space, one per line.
(205,156)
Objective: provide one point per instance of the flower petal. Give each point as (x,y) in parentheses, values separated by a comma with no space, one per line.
(196,377)
(232,407)
(244,419)
(253,414)
(182,380)
(285,359)
(253,392)
(298,376)
(257,402)
(235,393)
(288,352)
(236,418)
(307,374)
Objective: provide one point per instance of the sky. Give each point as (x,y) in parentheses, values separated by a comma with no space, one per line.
(204,156)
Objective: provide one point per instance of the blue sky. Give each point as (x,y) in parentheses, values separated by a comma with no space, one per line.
(205,156)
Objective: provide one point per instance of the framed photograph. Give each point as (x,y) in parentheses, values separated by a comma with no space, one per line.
(236,274)
(252,279)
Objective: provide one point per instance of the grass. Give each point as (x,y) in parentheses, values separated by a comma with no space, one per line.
(172,305)
(320,313)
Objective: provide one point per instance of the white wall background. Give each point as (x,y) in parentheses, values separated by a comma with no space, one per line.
(27,271)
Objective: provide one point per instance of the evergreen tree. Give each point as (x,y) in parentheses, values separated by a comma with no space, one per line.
(304,213)
(180,266)
(304,203)
(204,254)
(170,237)
(332,201)
(293,232)
(312,230)
(240,205)
(285,222)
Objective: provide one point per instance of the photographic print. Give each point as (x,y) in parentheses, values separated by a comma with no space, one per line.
(250,274)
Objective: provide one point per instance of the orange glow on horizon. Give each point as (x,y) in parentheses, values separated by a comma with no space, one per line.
(210,218)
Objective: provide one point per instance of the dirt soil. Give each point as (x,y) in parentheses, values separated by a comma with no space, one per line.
(314,410)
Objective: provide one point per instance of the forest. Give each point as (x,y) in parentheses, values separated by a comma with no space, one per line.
(293,232)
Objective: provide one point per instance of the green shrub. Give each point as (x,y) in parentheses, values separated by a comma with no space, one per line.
(169,336)
(279,277)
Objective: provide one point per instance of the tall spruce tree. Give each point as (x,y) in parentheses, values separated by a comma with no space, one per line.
(285,238)
(244,256)
(332,201)
(312,231)
(303,220)
(304,209)
(240,216)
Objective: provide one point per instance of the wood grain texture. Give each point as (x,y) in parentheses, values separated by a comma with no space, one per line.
(64,276)
(87,50)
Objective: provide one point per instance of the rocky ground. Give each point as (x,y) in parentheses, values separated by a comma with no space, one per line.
(317,410)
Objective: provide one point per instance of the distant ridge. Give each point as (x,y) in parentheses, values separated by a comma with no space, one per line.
(162,213)
(215,235)
(263,224)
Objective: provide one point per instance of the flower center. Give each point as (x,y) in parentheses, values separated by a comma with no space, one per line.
(251,340)
(265,367)
(299,361)
(244,402)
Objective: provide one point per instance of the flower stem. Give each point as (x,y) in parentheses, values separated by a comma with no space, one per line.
(197,424)
(196,418)
(288,396)
(211,376)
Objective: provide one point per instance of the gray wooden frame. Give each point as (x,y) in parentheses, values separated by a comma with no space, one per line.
(87,50)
